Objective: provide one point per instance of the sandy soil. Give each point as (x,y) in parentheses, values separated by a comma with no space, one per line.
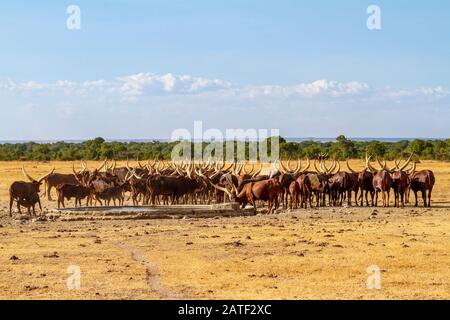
(302,254)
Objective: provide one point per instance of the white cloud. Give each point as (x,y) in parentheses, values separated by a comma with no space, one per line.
(149,105)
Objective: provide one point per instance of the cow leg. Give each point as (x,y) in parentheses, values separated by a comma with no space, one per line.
(424,197)
(376,198)
(11,201)
(429,196)
(415,195)
(18,207)
(49,189)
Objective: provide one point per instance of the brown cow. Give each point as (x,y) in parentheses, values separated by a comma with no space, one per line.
(381,183)
(69,191)
(30,202)
(422,181)
(266,190)
(25,190)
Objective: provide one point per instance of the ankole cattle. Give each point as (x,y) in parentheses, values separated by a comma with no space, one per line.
(25,190)
(400,182)
(422,181)
(381,182)
(69,191)
(30,203)
(364,183)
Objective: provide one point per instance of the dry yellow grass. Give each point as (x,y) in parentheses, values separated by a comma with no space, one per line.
(314,253)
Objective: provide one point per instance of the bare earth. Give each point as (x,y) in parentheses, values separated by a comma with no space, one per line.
(304,254)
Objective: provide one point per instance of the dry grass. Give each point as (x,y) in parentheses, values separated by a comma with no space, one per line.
(314,253)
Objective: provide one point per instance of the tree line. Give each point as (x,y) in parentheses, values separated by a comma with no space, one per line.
(340,149)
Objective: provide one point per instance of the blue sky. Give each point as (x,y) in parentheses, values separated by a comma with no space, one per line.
(146,68)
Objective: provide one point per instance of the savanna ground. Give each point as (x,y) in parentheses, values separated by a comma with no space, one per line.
(304,254)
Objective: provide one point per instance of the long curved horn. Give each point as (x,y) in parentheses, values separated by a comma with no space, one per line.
(315,166)
(222,189)
(413,168)
(286,170)
(25,173)
(102,165)
(379,163)
(73,169)
(369,166)
(258,171)
(298,167)
(83,164)
(332,167)
(127,164)
(406,163)
(348,167)
(45,176)
(307,165)
(338,167)
(289,166)
(252,170)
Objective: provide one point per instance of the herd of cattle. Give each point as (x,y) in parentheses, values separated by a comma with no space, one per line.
(159,182)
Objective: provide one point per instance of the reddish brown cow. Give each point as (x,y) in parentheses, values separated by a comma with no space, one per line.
(422,181)
(266,190)
(381,183)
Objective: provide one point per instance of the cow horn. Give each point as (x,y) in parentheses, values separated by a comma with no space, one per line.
(289,166)
(222,189)
(258,171)
(348,166)
(127,164)
(285,170)
(45,176)
(323,166)
(308,164)
(83,164)
(25,173)
(368,165)
(406,163)
(102,165)
(413,168)
(379,163)
(338,167)
(73,169)
(315,166)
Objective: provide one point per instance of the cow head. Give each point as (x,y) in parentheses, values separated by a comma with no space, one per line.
(36,183)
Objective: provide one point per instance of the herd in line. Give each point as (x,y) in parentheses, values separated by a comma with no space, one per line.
(162,182)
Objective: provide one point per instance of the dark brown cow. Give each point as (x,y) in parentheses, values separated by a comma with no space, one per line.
(112,193)
(25,190)
(340,184)
(69,191)
(30,202)
(400,182)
